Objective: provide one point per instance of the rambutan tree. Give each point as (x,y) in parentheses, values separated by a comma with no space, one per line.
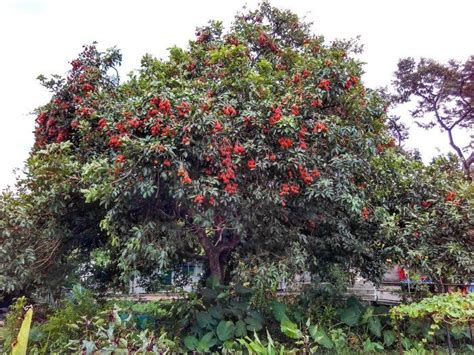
(253,146)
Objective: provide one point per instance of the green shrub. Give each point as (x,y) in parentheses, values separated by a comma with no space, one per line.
(225,315)
(56,331)
(112,333)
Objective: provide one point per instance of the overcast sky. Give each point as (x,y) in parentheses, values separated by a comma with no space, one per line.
(42,36)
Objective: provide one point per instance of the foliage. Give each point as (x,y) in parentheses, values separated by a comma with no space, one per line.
(222,319)
(445,93)
(257,149)
(453,308)
(112,333)
(46,228)
(80,304)
(426,215)
(433,317)
(20,345)
(226,315)
(13,321)
(107,331)
(245,146)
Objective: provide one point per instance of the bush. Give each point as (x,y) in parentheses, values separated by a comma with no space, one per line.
(113,333)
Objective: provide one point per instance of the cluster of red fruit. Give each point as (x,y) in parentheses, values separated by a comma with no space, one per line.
(285,143)
(275,116)
(286,189)
(185,179)
(450,196)
(365,213)
(320,127)
(307,177)
(264,42)
(229,111)
(353,80)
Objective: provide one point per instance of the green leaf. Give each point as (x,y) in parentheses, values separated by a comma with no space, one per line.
(243,291)
(216,312)
(406,343)
(205,320)
(279,311)
(319,335)
(290,329)
(350,316)
(253,324)
(225,330)
(213,282)
(191,342)
(389,337)
(240,329)
(206,342)
(370,346)
(375,326)
(20,346)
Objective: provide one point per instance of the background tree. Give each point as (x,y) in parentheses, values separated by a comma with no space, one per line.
(445,98)
(426,215)
(47,230)
(398,129)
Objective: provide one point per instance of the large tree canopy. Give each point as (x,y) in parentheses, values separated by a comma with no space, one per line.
(253,146)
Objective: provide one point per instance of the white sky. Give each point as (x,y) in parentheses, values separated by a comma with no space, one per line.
(42,36)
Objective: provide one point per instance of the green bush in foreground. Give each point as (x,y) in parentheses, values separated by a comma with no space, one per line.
(224,319)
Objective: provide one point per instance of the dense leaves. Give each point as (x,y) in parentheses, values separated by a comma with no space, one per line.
(258,138)
(254,147)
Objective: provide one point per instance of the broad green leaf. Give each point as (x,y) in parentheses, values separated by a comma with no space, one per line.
(350,316)
(240,329)
(253,324)
(375,326)
(205,320)
(290,329)
(279,311)
(389,337)
(225,330)
(319,335)
(191,342)
(21,344)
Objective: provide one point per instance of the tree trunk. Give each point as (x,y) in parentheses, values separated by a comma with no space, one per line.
(213,257)
(218,253)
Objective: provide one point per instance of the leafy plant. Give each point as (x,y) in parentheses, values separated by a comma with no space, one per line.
(20,345)
(256,346)
(13,321)
(226,314)
(111,333)
(455,308)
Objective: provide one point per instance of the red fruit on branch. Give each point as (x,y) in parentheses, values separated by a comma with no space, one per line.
(199,199)
(102,123)
(285,143)
(262,39)
(324,84)
(320,127)
(229,111)
(239,149)
(295,110)
(365,213)
(450,196)
(86,88)
(115,142)
(231,188)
